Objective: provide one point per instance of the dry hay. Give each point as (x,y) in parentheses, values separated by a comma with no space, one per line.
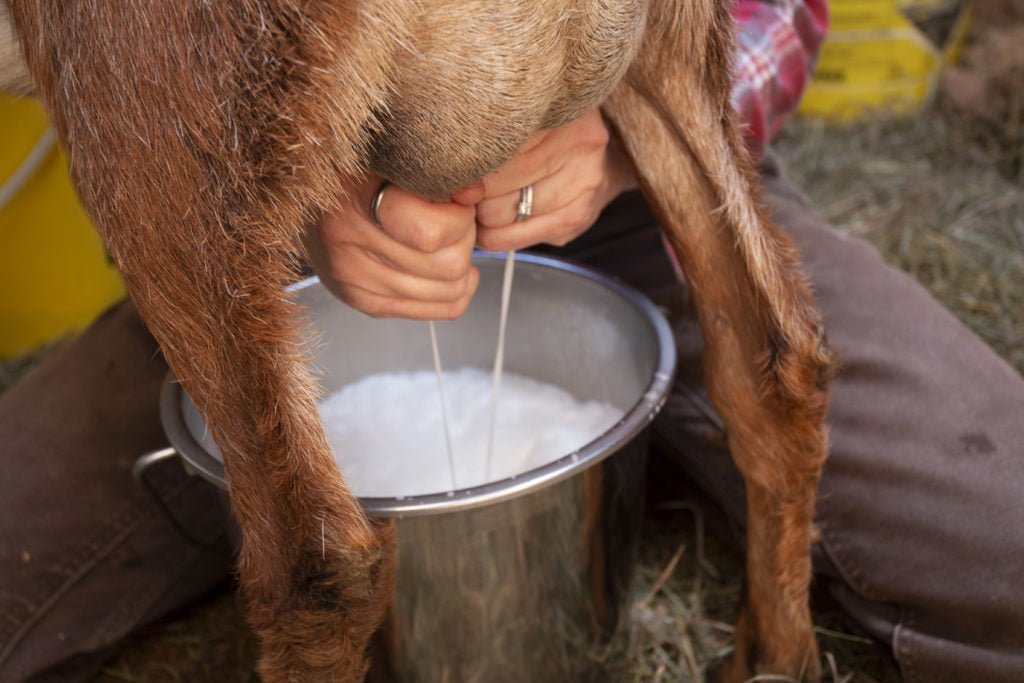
(982,95)
(687,593)
(935,207)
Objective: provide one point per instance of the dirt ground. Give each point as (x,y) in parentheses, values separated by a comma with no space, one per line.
(941,194)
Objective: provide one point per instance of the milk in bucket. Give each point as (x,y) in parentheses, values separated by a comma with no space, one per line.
(387,429)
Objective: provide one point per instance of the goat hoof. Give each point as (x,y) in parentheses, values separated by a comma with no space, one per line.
(733,668)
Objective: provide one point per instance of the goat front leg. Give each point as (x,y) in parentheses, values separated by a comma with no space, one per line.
(766,362)
(200,138)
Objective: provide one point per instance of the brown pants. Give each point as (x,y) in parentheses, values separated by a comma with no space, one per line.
(921,509)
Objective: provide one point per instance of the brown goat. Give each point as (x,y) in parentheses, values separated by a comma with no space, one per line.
(203,135)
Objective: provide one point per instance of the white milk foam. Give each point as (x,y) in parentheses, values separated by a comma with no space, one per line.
(387,433)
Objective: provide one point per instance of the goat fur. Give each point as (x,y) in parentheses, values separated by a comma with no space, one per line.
(203,135)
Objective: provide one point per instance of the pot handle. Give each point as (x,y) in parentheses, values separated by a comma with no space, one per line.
(139,474)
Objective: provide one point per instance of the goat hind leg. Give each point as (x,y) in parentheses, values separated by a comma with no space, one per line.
(199,189)
(766,363)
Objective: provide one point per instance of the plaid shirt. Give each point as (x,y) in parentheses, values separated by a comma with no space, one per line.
(777,45)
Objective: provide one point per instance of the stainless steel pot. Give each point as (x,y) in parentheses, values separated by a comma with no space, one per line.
(522,579)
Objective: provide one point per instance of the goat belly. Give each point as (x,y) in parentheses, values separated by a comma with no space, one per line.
(482,76)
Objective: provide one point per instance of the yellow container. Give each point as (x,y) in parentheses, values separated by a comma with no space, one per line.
(55,276)
(884,55)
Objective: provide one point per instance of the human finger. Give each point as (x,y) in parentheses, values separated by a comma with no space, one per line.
(558,227)
(360,277)
(421,224)
(365,266)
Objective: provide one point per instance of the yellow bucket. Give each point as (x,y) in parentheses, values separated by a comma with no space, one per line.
(55,276)
(884,55)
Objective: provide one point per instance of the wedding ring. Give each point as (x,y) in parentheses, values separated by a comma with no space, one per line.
(525,208)
(375,204)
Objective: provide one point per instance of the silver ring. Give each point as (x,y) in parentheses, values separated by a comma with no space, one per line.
(375,204)
(525,208)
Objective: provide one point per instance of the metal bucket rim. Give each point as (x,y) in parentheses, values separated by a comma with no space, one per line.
(635,420)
